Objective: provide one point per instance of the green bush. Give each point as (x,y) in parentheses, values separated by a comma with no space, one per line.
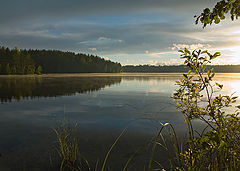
(218,146)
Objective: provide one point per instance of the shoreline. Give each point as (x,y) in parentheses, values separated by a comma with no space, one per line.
(126,74)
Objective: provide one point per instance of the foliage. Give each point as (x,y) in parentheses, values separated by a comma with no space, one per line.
(174,147)
(39,70)
(198,98)
(15,62)
(218,12)
(68,150)
(7,69)
(54,61)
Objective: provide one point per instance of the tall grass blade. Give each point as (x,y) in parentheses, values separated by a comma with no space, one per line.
(155,144)
(109,151)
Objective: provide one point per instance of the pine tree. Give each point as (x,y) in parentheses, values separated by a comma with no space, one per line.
(7,69)
(39,70)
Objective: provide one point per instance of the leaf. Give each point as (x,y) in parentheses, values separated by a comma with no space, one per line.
(219,85)
(186,120)
(215,55)
(187,51)
(179,104)
(217,20)
(185,76)
(208,73)
(205,51)
(177,82)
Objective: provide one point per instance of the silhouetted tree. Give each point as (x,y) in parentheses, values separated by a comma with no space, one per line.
(53,61)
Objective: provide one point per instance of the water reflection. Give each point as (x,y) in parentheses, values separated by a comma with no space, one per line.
(18,88)
(137,102)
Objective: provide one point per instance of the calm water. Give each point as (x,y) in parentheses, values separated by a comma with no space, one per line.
(101,106)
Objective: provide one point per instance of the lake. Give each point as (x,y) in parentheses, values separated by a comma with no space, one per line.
(101,105)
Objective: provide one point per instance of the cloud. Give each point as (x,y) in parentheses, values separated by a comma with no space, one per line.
(190,46)
(92,49)
(162,53)
(153,62)
(106,58)
(103,38)
(28,9)
(171,62)
(116,29)
(120,41)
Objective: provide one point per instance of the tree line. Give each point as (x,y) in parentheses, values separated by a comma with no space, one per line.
(179,68)
(54,61)
(15,61)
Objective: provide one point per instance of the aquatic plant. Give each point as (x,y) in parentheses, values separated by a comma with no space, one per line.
(68,150)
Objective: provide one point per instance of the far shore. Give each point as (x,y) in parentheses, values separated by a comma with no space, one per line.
(235,75)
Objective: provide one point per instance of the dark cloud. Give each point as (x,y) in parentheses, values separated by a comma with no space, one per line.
(129,38)
(13,10)
(104,26)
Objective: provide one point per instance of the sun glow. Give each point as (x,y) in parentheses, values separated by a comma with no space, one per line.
(229,56)
(231,85)
(235,87)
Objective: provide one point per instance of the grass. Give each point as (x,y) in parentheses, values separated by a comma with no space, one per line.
(68,149)
(180,156)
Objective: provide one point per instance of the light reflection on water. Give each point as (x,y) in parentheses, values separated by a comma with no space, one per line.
(102,107)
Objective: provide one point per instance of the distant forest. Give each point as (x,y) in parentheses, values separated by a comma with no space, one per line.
(178,68)
(14,61)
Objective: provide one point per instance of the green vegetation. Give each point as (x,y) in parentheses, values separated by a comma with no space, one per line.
(54,61)
(199,98)
(218,12)
(14,61)
(68,147)
(178,68)
(68,150)
(218,146)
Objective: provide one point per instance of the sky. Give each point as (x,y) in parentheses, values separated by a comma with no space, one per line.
(126,31)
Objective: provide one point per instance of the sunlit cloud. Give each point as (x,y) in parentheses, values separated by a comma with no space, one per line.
(229,55)
(103,39)
(176,61)
(153,62)
(92,49)
(190,46)
(162,54)
(106,58)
